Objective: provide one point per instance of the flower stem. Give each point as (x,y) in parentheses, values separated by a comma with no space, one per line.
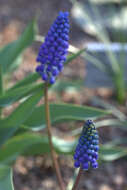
(77,179)
(53,153)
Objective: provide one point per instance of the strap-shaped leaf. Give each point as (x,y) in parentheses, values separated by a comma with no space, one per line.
(6,178)
(21,144)
(60,112)
(26,81)
(36,144)
(14,95)
(108,153)
(18,116)
(10,52)
(74,55)
(103,123)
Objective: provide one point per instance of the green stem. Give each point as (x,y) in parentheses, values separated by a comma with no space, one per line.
(1,85)
(77,179)
(53,153)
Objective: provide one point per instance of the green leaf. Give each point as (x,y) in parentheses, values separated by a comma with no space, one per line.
(26,81)
(31,144)
(116,142)
(1,86)
(15,64)
(112,123)
(108,153)
(14,95)
(88,19)
(1,80)
(96,62)
(9,125)
(74,55)
(10,52)
(103,123)
(23,129)
(62,112)
(36,144)
(61,85)
(6,178)
(115,111)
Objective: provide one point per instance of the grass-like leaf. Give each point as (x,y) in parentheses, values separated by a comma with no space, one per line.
(108,153)
(32,78)
(14,95)
(63,112)
(6,178)
(10,52)
(9,125)
(36,144)
(27,144)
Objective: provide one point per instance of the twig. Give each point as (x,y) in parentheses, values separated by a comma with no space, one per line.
(77,179)
(53,154)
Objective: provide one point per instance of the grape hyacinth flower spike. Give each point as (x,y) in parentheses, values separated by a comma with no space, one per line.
(86,152)
(53,51)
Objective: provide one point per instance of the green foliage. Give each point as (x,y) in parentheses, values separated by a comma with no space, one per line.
(89,18)
(1,80)
(31,78)
(17,130)
(9,125)
(6,178)
(36,144)
(10,52)
(14,95)
(62,112)
(112,153)
(74,55)
(89,15)
(27,144)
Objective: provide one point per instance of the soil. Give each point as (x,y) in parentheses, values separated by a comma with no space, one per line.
(36,172)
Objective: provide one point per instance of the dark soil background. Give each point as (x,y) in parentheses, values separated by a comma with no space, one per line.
(36,172)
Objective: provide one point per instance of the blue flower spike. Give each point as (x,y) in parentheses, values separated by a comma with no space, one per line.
(54,50)
(86,152)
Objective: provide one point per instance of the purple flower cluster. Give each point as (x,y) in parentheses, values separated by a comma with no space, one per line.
(86,153)
(53,51)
